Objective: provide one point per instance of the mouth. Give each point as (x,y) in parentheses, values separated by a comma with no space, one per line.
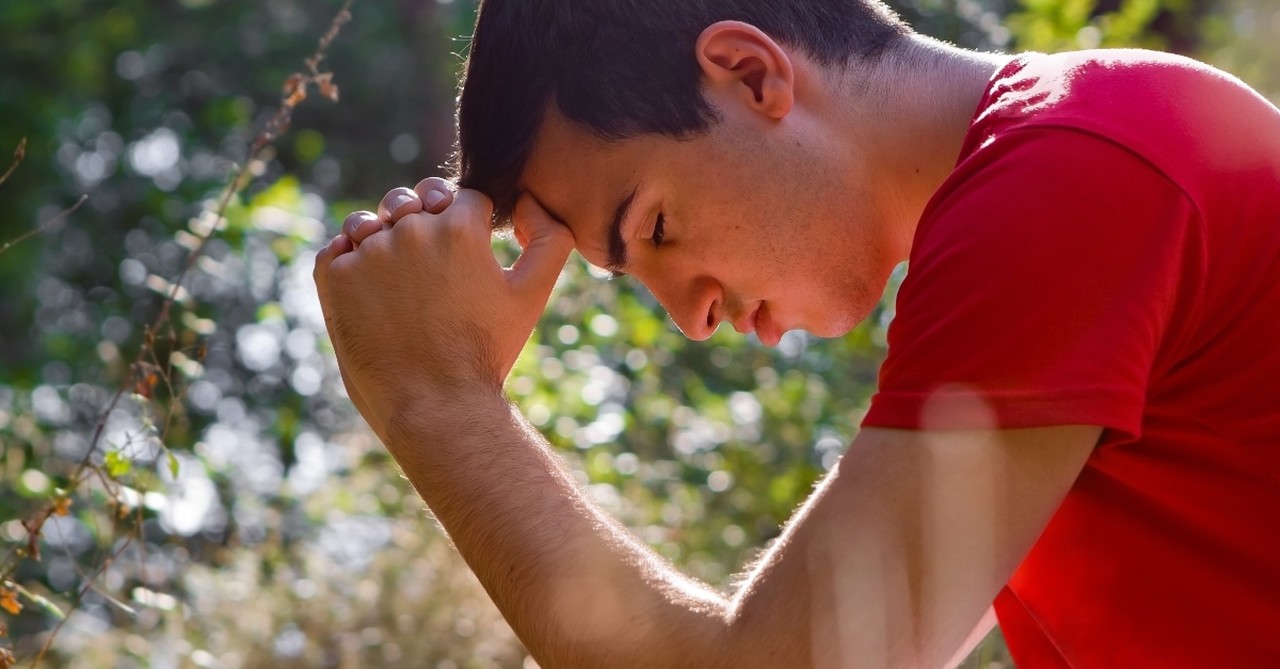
(764,327)
(759,322)
(746,324)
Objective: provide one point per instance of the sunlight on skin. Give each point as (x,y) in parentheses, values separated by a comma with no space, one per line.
(579,595)
(955,450)
(847,638)
(850,636)
(960,450)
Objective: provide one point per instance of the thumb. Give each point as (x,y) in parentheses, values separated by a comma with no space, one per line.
(546,243)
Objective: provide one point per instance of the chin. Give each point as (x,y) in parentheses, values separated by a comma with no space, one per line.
(833,329)
(842,322)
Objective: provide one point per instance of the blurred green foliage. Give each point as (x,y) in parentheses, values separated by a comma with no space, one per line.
(258,523)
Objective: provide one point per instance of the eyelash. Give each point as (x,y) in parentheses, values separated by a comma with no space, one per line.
(658,232)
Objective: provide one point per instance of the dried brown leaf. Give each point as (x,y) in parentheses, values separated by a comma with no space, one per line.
(62,506)
(9,601)
(328,89)
(293,83)
(146,385)
(33,527)
(296,97)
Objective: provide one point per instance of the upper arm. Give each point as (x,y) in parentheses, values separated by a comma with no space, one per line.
(1052,277)
(897,556)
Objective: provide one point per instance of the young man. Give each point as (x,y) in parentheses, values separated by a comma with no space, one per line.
(1079,416)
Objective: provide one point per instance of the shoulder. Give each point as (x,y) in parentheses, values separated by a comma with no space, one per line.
(1181,115)
(1046,180)
(1036,87)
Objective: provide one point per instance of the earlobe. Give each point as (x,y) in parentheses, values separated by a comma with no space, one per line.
(750,66)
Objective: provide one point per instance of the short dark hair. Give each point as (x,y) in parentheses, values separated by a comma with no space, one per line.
(620,69)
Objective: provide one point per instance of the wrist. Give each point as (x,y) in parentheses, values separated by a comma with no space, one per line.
(435,420)
(448,447)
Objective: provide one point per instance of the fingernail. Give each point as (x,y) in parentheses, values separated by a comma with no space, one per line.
(400,201)
(433,198)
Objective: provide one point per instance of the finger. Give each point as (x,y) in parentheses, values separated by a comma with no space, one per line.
(335,248)
(436,194)
(360,224)
(397,203)
(546,243)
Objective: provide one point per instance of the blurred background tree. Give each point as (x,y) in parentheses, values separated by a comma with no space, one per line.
(258,523)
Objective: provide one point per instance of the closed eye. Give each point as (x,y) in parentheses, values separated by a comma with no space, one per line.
(658,232)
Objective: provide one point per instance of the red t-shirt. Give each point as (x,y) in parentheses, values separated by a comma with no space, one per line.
(1107,252)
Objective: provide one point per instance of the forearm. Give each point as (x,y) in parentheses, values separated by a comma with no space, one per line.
(577,588)
(851,582)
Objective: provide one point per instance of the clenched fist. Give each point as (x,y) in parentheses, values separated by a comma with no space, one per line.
(420,312)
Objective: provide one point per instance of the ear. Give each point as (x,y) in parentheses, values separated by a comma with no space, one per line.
(738,59)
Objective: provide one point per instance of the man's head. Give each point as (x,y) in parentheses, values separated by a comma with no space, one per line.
(621,68)
(703,147)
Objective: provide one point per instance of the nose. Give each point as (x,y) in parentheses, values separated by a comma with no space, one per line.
(692,304)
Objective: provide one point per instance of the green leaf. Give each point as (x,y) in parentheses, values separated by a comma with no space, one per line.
(41,602)
(117,464)
(285,193)
(173,464)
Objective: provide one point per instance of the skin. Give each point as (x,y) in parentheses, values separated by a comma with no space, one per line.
(802,200)
(751,208)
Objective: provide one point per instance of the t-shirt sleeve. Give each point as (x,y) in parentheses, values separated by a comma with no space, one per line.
(1041,288)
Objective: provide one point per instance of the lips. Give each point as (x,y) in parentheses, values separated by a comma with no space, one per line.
(766,330)
(759,322)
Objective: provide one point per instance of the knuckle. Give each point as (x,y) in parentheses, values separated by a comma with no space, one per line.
(413,224)
(340,270)
(376,245)
(473,203)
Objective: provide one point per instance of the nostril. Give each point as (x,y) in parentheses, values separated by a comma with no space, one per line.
(711,315)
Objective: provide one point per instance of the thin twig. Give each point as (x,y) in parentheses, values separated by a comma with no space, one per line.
(75,603)
(278,123)
(41,228)
(18,154)
(294,93)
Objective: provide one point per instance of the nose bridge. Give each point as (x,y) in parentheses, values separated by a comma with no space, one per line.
(688,300)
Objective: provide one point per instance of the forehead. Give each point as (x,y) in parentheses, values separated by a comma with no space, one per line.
(580,178)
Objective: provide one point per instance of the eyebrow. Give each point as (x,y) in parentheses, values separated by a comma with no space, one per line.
(616,245)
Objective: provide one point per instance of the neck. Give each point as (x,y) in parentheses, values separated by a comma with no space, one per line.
(909,114)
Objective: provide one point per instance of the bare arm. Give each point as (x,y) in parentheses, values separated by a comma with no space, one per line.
(892,562)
